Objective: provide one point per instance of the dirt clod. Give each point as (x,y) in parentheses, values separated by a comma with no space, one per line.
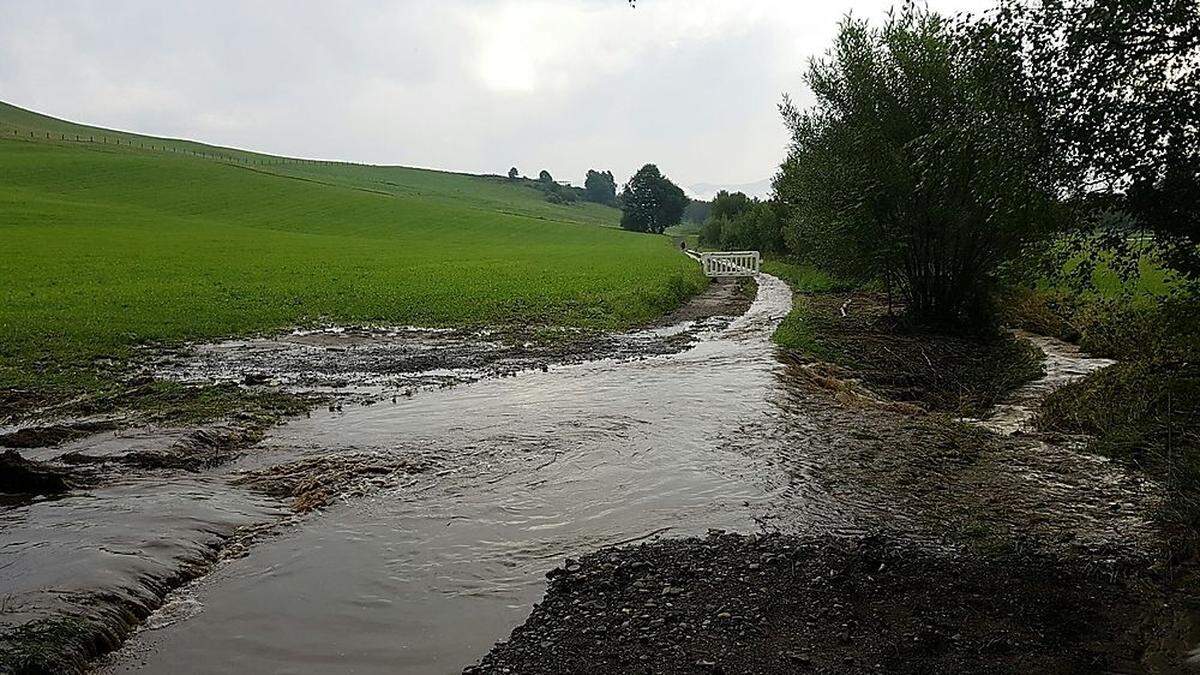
(317,482)
(24,476)
(52,435)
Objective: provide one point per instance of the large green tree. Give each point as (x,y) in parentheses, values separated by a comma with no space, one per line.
(922,163)
(600,187)
(651,202)
(738,222)
(729,205)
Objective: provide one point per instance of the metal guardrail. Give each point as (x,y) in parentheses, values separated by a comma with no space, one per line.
(731,263)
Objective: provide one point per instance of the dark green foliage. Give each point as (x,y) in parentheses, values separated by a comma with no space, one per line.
(651,202)
(513,173)
(759,227)
(921,165)
(1118,82)
(738,223)
(730,206)
(697,211)
(554,192)
(562,194)
(600,187)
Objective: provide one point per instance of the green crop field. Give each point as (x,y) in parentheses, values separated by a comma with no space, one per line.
(106,246)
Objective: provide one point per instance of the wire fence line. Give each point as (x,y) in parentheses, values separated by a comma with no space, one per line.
(244,158)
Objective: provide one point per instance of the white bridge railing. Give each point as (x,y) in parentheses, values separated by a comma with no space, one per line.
(731,263)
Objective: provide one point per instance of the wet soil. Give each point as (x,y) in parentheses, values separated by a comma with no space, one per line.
(936,479)
(366,364)
(992,548)
(722,297)
(865,341)
(53,434)
(317,482)
(430,519)
(777,604)
(23,476)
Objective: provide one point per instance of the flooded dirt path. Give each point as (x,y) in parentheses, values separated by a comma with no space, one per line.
(443,511)
(426,576)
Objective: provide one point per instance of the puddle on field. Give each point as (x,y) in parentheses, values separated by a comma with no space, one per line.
(374,359)
(426,577)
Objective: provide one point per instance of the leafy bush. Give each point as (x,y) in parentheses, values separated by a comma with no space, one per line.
(921,164)
(737,223)
(600,187)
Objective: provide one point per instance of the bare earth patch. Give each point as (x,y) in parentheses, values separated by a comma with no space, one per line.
(777,604)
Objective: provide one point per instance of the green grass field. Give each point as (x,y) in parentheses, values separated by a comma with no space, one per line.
(107,246)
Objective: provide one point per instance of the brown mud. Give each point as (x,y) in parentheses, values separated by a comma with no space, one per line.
(367,364)
(869,342)
(53,434)
(25,476)
(317,482)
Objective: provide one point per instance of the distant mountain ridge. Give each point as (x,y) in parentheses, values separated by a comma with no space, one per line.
(706,191)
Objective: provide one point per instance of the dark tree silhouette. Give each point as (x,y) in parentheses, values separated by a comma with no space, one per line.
(600,187)
(1120,83)
(921,164)
(651,202)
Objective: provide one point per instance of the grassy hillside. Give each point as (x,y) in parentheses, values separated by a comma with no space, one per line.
(110,245)
(489,192)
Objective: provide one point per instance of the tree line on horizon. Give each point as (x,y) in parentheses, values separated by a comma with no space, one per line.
(649,201)
(599,187)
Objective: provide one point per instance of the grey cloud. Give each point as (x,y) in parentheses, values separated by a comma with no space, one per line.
(472,85)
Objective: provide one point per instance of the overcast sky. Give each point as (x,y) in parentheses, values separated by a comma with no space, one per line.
(467,85)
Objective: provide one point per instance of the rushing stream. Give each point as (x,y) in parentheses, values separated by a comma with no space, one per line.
(427,576)
(424,574)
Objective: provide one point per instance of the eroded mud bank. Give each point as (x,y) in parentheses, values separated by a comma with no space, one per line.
(369,363)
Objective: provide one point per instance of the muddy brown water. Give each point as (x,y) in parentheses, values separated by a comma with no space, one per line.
(1064,363)
(425,575)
